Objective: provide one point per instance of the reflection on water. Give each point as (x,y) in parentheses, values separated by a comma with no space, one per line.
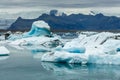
(26,65)
(4,57)
(83,72)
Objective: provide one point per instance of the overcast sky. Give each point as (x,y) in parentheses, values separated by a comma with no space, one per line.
(59,3)
(105,6)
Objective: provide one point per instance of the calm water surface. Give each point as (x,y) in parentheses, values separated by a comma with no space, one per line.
(25,65)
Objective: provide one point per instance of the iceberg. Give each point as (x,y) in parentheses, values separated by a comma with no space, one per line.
(38,35)
(39,28)
(99,48)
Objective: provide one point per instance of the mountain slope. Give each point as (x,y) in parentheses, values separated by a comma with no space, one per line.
(71,22)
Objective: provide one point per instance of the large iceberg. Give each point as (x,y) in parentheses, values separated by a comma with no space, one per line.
(39,35)
(100,48)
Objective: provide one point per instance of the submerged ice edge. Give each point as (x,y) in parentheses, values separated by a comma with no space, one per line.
(81,58)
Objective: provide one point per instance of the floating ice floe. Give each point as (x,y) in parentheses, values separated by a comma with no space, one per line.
(101,48)
(4,51)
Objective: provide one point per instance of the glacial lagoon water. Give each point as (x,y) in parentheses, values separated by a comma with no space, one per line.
(26,65)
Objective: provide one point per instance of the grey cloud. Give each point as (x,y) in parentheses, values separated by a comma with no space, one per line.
(59,4)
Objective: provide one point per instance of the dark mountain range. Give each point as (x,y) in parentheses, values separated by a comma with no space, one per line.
(71,22)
